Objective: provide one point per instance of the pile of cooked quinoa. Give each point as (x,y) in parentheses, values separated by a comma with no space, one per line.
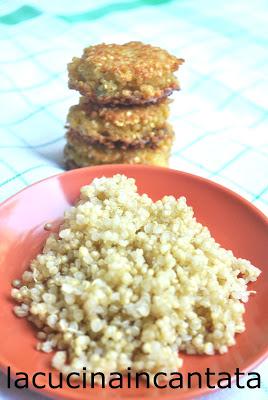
(128,282)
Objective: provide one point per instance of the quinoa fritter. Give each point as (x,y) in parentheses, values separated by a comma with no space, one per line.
(132,73)
(79,153)
(123,126)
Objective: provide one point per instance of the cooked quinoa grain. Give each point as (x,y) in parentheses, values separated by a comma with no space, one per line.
(129,282)
(132,73)
(124,126)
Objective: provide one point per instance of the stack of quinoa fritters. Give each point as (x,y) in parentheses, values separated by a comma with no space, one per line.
(122,114)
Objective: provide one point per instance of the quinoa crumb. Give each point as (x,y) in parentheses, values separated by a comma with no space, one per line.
(48,226)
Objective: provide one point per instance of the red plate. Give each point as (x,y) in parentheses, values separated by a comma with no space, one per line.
(234,222)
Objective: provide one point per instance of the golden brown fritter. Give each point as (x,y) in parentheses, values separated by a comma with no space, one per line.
(80,154)
(119,126)
(132,73)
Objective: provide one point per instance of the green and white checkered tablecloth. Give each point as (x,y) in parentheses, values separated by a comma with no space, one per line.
(220,116)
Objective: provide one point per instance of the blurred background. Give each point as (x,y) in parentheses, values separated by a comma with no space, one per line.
(220,115)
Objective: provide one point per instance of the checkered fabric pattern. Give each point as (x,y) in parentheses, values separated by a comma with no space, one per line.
(220,116)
